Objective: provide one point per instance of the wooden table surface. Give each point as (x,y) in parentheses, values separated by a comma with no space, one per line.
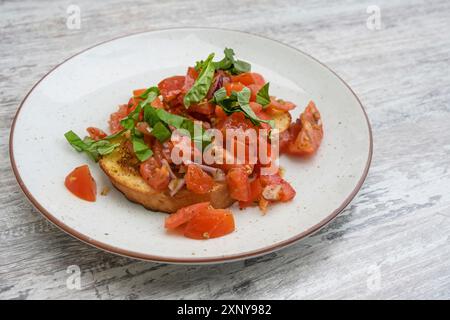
(393,240)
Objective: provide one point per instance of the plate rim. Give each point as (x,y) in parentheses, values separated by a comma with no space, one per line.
(173,260)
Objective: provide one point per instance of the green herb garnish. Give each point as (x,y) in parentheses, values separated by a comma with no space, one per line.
(201,86)
(94,149)
(262,97)
(140,148)
(229,63)
(238,102)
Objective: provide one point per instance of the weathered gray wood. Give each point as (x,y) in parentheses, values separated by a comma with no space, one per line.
(393,241)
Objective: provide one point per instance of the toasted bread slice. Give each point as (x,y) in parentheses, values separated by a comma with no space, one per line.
(122,169)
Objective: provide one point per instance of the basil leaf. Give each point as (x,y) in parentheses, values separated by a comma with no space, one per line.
(149,95)
(202,84)
(152,91)
(140,148)
(106,148)
(169,118)
(229,63)
(129,121)
(94,149)
(220,95)
(150,115)
(115,135)
(75,141)
(243,96)
(239,102)
(161,132)
(240,67)
(262,97)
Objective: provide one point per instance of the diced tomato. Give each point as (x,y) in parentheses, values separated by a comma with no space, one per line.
(254,89)
(256,107)
(205,108)
(308,139)
(210,223)
(236,120)
(255,193)
(96,133)
(286,192)
(238,184)
(220,114)
(190,78)
(233,86)
(81,183)
(285,139)
(114,119)
(197,180)
(171,87)
(138,92)
(154,174)
(157,103)
(248,78)
(280,105)
(183,215)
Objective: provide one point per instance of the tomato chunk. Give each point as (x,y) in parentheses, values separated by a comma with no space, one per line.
(96,133)
(171,87)
(154,174)
(114,120)
(248,78)
(238,184)
(183,215)
(190,78)
(233,86)
(274,183)
(280,105)
(138,92)
(197,180)
(210,223)
(81,183)
(307,140)
(205,108)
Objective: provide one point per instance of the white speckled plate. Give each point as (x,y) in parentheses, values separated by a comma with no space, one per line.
(86,88)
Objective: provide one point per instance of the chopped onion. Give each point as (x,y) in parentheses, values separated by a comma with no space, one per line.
(166,164)
(217,173)
(176,185)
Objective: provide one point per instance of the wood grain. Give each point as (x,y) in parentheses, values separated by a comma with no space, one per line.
(392,242)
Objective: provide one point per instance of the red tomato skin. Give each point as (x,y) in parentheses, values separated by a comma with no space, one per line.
(156,176)
(287,192)
(233,86)
(255,193)
(138,92)
(220,114)
(308,137)
(96,133)
(248,78)
(183,215)
(171,87)
(190,78)
(114,119)
(81,183)
(210,223)
(254,89)
(197,180)
(276,105)
(238,184)
(205,108)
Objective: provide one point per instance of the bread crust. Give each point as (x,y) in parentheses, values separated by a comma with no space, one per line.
(121,169)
